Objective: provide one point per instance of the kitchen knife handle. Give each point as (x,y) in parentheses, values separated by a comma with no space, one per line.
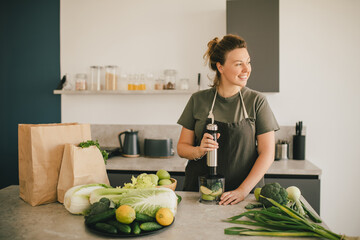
(297,129)
(199,77)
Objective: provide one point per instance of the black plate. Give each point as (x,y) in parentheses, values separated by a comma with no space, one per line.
(123,235)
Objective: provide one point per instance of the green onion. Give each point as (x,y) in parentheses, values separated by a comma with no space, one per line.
(311,215)
(278,221)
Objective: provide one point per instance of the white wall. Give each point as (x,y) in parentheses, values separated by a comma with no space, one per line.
(320,83)
(319,75)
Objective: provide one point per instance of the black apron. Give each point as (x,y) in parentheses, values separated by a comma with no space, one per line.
(237,153)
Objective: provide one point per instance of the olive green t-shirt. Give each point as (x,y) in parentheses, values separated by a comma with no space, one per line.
(227,110)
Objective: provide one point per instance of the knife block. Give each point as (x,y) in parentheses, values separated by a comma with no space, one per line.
(299,147)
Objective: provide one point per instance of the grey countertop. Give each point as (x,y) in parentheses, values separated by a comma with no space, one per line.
(194,220)
(177,164)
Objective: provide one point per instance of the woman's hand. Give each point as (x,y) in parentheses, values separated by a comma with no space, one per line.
(232,197)
(208,144)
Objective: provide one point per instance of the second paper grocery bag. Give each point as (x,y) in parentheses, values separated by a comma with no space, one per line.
(80,166)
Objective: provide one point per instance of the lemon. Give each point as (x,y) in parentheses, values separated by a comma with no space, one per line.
(205,190)
(163,174)
(164,216)
(165,182)
(125,214)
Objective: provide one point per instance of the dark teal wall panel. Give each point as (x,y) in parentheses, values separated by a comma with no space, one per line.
(30,71)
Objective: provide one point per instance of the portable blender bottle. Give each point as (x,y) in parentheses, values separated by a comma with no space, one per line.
(211,185)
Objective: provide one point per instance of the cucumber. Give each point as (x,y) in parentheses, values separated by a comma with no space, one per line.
(150,226)
(104,227)
(144,217)
(179,198)
(136,228)
(120,226)
(100,217)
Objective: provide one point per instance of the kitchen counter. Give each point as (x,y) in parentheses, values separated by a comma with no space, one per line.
(300,173)
(52,221)
(177,164)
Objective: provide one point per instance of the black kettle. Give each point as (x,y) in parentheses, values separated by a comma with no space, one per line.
(131,146)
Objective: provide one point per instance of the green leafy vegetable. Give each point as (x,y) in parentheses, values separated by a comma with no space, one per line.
(96,143)
(76,199)
(254,205)
(99,207)
(146,201)
(310,214)
(275,192)
(278,221)
(143,180)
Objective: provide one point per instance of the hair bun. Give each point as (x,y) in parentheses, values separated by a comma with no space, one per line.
(211,48)
(212,44)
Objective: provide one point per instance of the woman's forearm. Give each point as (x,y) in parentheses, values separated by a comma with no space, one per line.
(266,150)
(189,152)
(262,164)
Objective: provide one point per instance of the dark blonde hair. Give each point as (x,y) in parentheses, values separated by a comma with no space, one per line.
(217,51)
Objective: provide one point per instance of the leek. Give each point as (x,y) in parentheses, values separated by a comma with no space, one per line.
(279,221)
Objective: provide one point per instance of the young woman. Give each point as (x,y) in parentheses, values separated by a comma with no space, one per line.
(246,124)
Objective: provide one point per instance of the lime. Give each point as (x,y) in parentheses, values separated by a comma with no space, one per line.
(165,182)
(217,193)
(257,193)
(125,214)
(163,174)
(154,179)
(207,197)
(205,190)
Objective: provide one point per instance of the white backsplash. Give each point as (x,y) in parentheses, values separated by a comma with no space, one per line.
(107,135)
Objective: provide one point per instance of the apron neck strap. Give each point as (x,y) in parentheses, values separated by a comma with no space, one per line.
(211,115)
(243,105)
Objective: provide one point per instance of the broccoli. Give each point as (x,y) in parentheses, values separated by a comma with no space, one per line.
(275,192)
(98,207)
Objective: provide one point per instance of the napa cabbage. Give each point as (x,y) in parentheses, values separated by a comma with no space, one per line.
(146,201)
(76,199)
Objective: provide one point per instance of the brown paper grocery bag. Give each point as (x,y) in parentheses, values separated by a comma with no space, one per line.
(41,148)
(80,166)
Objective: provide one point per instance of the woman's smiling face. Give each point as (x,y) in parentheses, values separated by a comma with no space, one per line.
(236,69)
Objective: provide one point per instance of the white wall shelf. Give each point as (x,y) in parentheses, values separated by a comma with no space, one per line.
(124,92)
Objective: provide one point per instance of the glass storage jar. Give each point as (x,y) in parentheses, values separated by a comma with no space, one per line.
(149,82)
(95,78)
(184,84)
(80,82)
(111,77)
(170,78)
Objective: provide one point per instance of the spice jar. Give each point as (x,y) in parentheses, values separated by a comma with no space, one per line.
(149,81)
(123,82)
(170,78)
(131,82)
(159,83)
(184,84)
(95,78)
(111,77)
(142,83)
(80,82)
